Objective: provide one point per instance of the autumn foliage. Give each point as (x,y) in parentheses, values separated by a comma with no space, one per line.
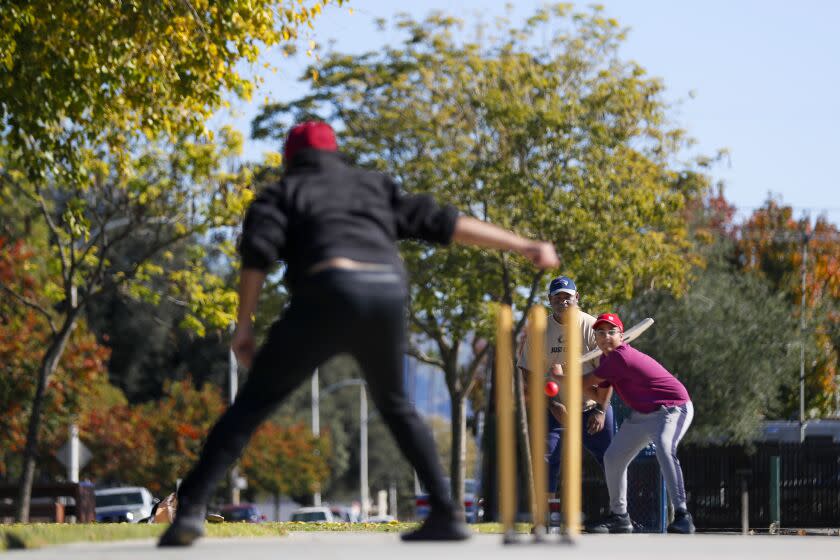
(156,443)
(771,243)
(288,461)
(149,444)
(79,383)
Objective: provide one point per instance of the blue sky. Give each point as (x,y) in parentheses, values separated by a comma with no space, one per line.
(760,78)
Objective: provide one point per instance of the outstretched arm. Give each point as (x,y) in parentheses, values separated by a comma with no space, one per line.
(469,231)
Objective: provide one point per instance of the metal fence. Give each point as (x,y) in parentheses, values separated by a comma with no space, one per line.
(715,476)
(646,495)
(809,484)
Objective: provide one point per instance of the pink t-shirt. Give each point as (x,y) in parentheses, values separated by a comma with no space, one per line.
(641,382)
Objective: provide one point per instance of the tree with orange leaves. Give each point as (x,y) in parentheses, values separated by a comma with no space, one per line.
(123,449)
(155,443)
(796,255)
(282,460)
(80,384)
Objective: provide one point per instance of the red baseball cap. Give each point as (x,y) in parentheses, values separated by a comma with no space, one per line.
(310,134)
(609,318)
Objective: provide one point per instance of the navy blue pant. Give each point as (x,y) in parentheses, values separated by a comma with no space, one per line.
(596,444)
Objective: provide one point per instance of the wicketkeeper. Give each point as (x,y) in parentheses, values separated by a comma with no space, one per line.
(597,412)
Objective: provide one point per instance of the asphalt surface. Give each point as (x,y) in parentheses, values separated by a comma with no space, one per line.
(387,546)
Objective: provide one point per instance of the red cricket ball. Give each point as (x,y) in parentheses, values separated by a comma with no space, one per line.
(551,388)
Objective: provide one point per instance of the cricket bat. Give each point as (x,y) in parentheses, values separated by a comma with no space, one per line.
(630,335)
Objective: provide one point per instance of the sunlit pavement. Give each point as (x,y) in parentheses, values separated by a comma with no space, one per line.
(374,546)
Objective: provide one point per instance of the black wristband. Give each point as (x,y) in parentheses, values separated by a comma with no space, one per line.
(599,409)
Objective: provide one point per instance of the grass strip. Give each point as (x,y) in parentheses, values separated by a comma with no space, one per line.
(36,535)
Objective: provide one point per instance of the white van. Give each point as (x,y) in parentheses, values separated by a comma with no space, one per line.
(126,504)
(313,515)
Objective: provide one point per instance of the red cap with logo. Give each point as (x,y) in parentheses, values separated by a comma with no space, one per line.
(609,318)
(310,134)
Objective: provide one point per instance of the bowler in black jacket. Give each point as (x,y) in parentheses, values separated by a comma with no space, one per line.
(336,227)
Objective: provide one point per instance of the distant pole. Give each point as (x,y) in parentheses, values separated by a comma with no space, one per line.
(745,506)
(363,438)
(363,456)
(73,463)
(233,387)
(316,427)
(775,477)
(411,381)
(805,239)
(392,500)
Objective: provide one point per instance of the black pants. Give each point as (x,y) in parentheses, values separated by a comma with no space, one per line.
(336,311)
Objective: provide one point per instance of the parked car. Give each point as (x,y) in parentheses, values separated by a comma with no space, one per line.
(245,513)
(317,514)
(126,504)
(345,514)
(473,511)
(381,519)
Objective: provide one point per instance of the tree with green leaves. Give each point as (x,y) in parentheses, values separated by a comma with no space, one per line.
(161,200)
(731,340)
(103,108)
(556,138)
(79,75)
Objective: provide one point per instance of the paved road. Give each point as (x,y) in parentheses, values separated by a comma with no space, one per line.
(386,546)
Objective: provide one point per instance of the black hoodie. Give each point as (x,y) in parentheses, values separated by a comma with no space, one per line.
(324,208)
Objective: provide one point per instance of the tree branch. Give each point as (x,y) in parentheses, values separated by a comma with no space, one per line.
(473,368)
(8,179)
(32,305)
(415,352)
(55,232)
(196,17)
(139,262)
(532,294)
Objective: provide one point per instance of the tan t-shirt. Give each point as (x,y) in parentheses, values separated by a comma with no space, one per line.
(555,348)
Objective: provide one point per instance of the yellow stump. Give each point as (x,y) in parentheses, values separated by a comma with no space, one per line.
(574,417)
(505,442)
(537,414)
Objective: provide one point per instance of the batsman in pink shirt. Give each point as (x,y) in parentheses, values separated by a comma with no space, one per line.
(661,413)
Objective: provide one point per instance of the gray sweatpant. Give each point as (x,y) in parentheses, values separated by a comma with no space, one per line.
(665,428)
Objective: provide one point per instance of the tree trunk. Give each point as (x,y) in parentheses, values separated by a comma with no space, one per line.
(457,466)
(49,363)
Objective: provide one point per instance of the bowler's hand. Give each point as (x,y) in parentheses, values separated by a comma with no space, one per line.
(595,423)
(542,254)
(244,344)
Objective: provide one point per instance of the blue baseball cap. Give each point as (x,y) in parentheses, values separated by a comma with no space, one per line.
(562,284)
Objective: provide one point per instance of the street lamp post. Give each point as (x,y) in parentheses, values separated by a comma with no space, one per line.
(364,491)
(363,455)
(233,385)
(316,427)
(805,239)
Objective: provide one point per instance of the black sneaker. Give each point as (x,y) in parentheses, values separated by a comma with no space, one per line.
(682,523)
(439,527)
(186,528)
(614,523)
